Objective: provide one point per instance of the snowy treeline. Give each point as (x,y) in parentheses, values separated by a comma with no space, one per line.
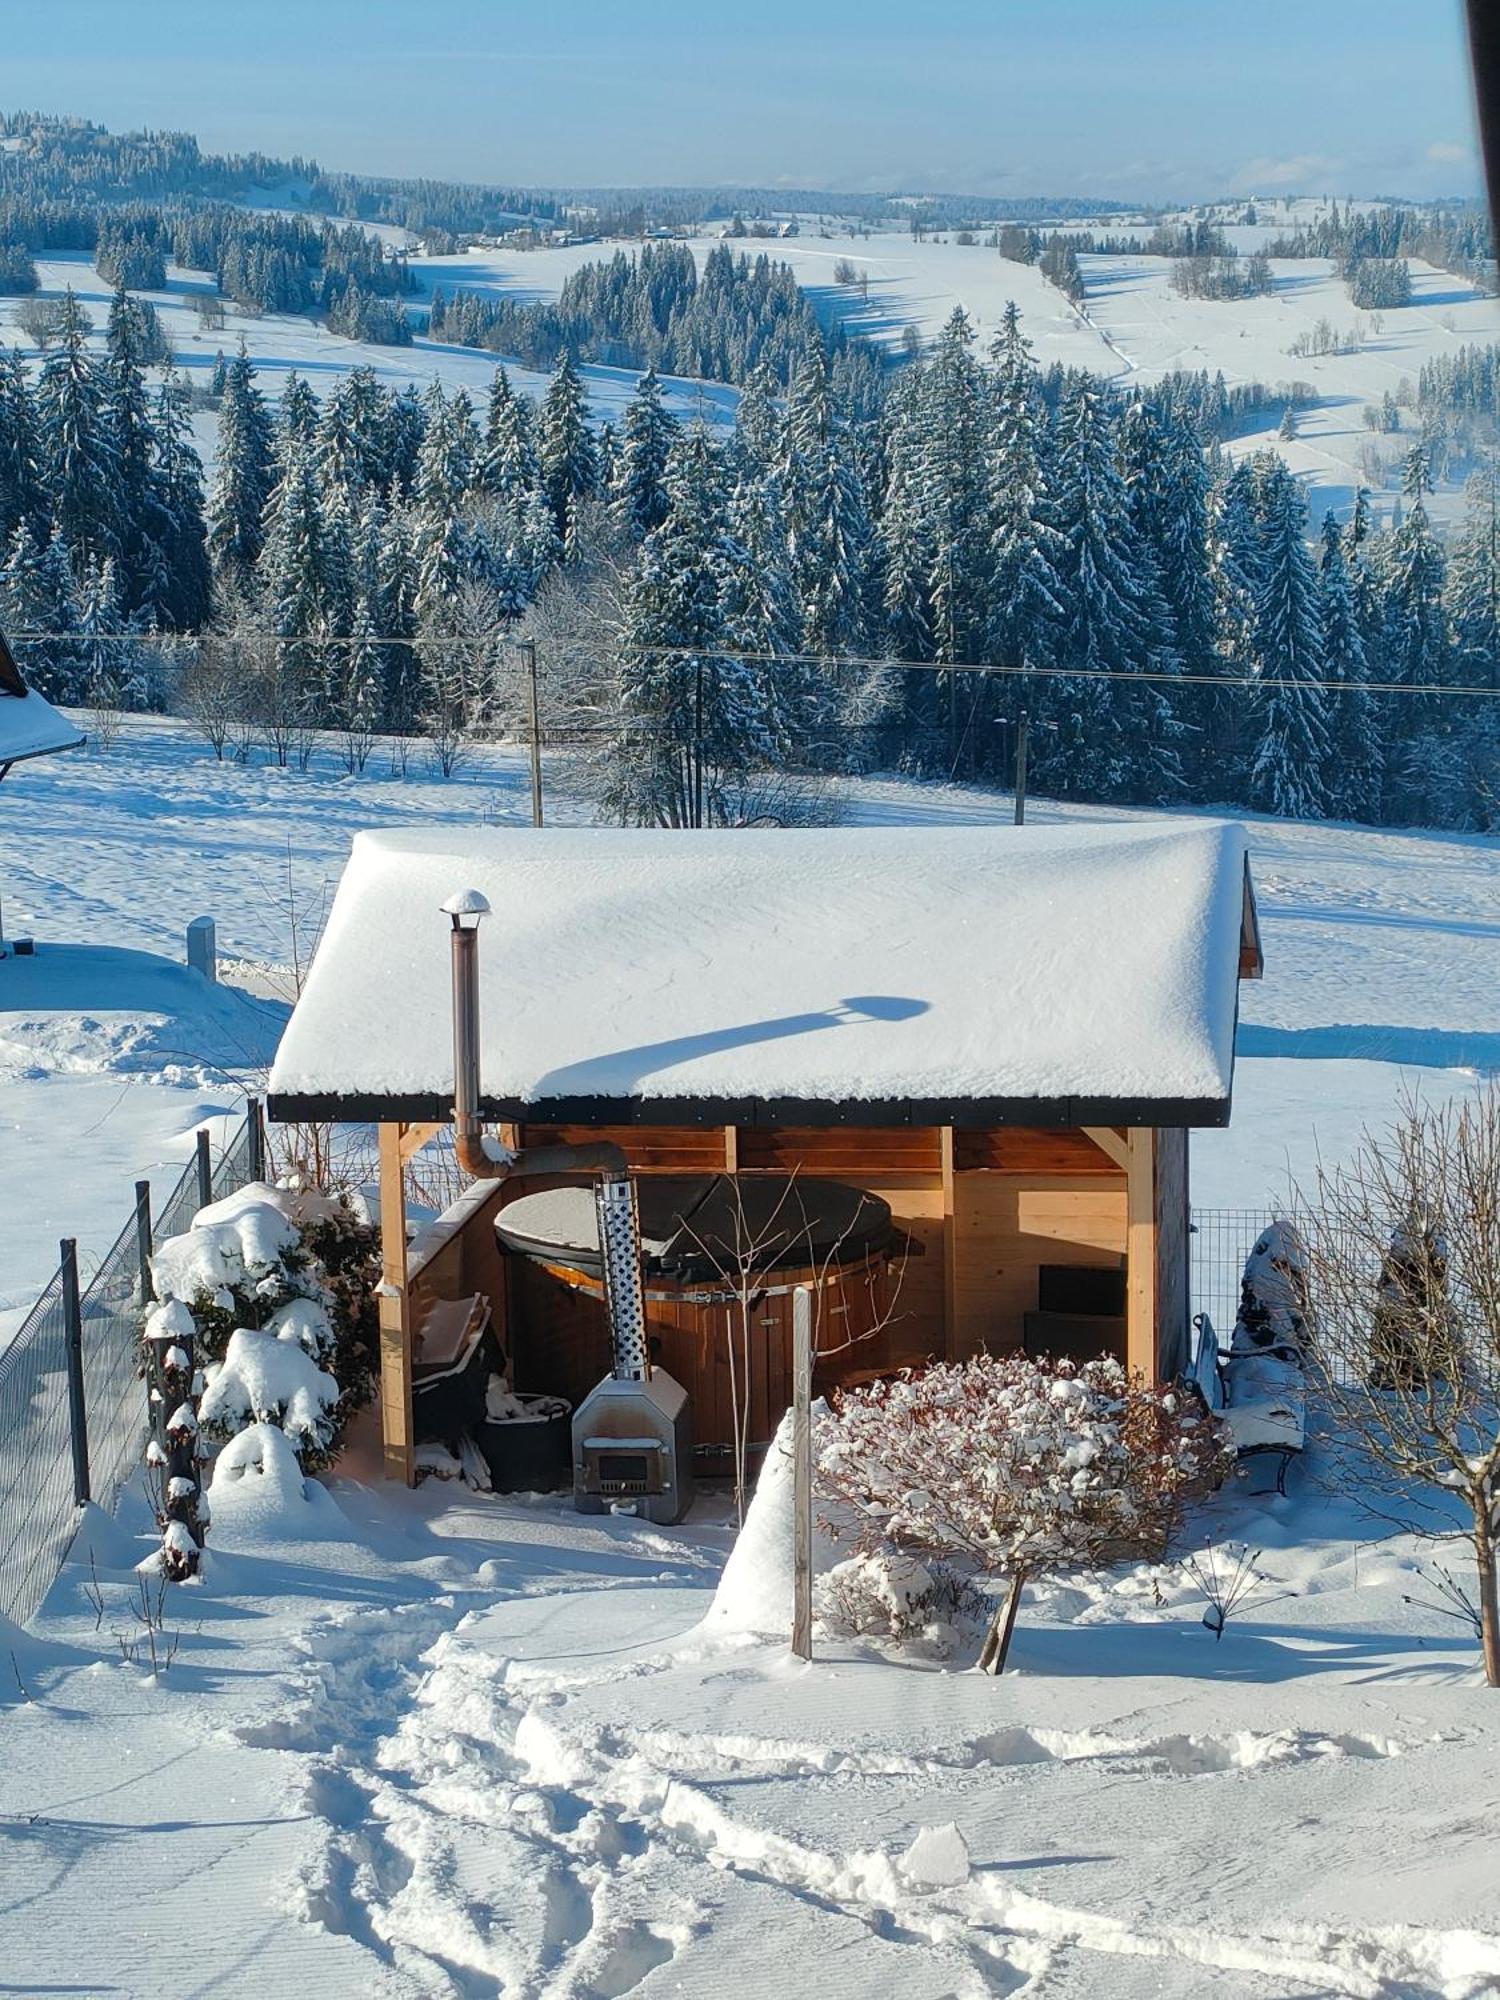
(363,561)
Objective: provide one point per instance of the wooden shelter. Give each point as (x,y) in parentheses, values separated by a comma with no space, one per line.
(1004,1034)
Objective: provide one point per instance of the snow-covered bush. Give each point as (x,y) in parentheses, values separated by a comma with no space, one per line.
(888,1594)
(278,1284)
(1013,1466)
(174,1454)
(1273,1293)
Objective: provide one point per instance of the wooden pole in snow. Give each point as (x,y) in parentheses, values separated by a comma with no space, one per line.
(534,703)
(802,1472)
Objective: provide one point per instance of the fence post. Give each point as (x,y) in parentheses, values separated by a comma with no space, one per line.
(143,1241)
(78,1423)
(205,1169)
(256,1132)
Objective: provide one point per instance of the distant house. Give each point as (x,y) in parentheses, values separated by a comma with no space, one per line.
(29,726)
(1002,1036)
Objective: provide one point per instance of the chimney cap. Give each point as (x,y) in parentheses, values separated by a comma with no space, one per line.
(466,903)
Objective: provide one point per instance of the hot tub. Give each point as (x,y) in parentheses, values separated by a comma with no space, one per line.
(721,1257)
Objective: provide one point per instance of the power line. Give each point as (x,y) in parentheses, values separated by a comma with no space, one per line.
(1154,677)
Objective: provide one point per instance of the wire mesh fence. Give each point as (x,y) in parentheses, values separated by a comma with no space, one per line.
(37,1512)
(1221,1240)
(41,1404)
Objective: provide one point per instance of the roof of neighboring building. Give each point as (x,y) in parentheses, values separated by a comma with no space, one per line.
(29,726)
(1061,975)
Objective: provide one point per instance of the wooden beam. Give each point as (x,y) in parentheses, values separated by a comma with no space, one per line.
(415,1137)
(1110,1144)
(1140,1253)
(950,1247)
(732,1151)
(395,1313)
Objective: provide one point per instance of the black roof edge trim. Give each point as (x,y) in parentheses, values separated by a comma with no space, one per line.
(965,1113)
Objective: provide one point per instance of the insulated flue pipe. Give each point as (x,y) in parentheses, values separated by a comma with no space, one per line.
(466,911)
(620,1260)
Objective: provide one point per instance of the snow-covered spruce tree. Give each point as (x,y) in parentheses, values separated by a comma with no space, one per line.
(281,1337)
(21,495)
(1357,765)
(244,474)
(693,718)
(1013,1466)
(76,440)
(180,597)
(1425,781)
(639,489)
(828,529)
(1025,613)
(509,468)
(37,595)
(1273,1309)
(953,416)
(1473,599)
(569,463)
(1408,1369)
(1288,774)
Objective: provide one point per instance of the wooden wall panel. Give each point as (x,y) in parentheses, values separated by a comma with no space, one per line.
(1005,1227)
(835,1151)
(1173,1216)
(1018,1150)
(648,1149)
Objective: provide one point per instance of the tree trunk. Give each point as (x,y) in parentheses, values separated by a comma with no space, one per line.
(992,1654)
(1489,1599)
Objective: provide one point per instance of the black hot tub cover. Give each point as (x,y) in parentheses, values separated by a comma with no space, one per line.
(699,1230)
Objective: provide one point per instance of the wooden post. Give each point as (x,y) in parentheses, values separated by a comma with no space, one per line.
(950,1247)
(395,1331)
(528,648)
(802,1481)
(205,1168)
(1140,1253)
(1021,729)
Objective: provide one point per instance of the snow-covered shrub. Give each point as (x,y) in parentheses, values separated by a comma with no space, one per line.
(268,1378)
(887,1594)
(1014,1465)
(1273,1293)
(282,1335)
(1413,1314)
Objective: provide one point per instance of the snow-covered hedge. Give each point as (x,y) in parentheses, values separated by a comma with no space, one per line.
(279,1285)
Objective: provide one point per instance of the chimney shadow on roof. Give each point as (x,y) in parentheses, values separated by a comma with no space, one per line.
(622,1069)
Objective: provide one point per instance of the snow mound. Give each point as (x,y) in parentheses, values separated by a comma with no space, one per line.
(266,1380)
(754,1597)
(259,1492)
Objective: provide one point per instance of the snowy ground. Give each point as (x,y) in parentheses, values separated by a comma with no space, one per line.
(439,1744)
(443,1745)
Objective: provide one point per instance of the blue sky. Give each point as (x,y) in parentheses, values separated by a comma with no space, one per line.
(1153,98)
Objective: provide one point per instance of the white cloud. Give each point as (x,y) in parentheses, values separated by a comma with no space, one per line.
(1444,153)
(1307,171)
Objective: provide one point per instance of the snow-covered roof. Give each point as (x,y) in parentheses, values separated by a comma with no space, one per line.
(32,727)
(923,975)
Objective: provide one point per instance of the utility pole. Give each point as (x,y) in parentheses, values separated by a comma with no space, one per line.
(1021,723)
(802,1509)
(698,745)
(528,650)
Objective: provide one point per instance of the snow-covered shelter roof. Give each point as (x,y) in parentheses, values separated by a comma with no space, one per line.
(29,726)
(971,976)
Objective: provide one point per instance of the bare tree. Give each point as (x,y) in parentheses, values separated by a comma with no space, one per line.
(1403,1253)
(210,690)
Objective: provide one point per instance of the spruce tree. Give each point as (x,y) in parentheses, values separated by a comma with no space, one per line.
(1289,772)
(1357,765)
(569,465)
(828,530)
(76,439)
(244,473)
(639,487)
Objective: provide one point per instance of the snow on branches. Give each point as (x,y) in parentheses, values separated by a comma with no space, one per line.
(1014,1466)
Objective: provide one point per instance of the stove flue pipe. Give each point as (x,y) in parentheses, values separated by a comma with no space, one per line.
(466,911)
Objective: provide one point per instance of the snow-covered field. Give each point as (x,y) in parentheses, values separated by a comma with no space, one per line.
(441,1744)
(1132,328)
